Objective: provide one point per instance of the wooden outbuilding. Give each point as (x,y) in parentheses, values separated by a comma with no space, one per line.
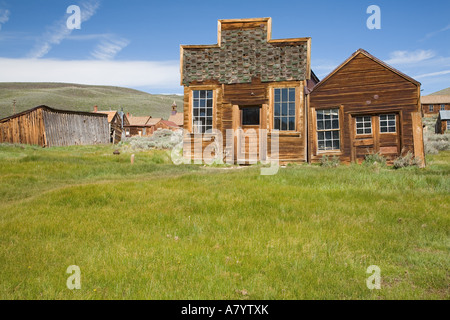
(365,106)
(117,120)
(443,122)
(246,83)
(48,127)
(432,104)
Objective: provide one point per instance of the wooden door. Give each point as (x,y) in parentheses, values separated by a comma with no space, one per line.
(248,134)
(375,134)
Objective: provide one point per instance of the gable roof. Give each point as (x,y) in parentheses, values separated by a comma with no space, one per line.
(138,121)
(52,110)
(177,118)
(444,114)
(169,123)
(373,58)
(110,114)
(438,99)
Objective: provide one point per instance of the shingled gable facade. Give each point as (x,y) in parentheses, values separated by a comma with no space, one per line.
(247,82)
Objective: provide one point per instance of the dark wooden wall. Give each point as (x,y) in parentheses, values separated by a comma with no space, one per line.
(366,87)
(26,128)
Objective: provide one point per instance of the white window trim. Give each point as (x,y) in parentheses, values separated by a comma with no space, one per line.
(391,114)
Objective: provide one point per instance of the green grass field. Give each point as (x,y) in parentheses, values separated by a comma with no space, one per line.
(78,97)
(153,230)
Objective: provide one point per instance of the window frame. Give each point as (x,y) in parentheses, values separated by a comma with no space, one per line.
(387,120)
(339,129)
(442,107)
(364,127)
(431,108)
(192,108)
(289,106)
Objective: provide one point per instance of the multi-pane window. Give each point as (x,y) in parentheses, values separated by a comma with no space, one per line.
(284,109)
(448,124)
(442,107)
(202,110)
(328,131)
(431,108)
(388,123)
(364,125)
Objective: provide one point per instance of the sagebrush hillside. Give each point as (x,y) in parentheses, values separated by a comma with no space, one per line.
(441,92)
(83,97)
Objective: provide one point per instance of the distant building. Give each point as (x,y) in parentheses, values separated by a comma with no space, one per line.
(432,104)
(48,127)
(116,120)
(443,122)
(176,117)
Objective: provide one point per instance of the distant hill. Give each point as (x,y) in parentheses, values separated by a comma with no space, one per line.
(441,92)
(78,97)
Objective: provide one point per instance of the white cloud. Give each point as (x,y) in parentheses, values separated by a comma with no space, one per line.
(433,74)
(58,31)
(108,48)
(432,34)
(407,57)
(4,17)
(115,73)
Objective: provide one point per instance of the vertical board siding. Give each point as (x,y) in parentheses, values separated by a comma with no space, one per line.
(46,127)
(66,129)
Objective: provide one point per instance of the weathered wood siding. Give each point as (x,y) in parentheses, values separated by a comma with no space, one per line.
(47,127)
(226,116)
(364,87)
(66,129)
(26,128)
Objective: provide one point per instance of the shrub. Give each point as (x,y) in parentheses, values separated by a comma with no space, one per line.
(162,139)
(328,162)
(407,161)
(374,159)
(436,142)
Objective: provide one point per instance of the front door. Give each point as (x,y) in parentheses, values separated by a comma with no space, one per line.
(248,135)
(375,134)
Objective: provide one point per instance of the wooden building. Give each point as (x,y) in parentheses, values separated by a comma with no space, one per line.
(138,126)
(248,82)
(116,121)
(365,106)
(443,122)
(49,127)
(432,104)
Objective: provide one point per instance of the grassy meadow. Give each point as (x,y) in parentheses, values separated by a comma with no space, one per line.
(154,230)
(78,97)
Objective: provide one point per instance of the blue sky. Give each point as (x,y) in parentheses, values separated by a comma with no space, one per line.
(135,43)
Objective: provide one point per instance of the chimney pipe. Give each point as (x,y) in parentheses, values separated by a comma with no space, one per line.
(95,108)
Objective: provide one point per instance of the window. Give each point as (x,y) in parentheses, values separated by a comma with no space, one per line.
(442,107)
(448,124)
(328,137)
(250,116)
(431,108)
(202,110)
(388,123)
(284,109)
(364,125)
